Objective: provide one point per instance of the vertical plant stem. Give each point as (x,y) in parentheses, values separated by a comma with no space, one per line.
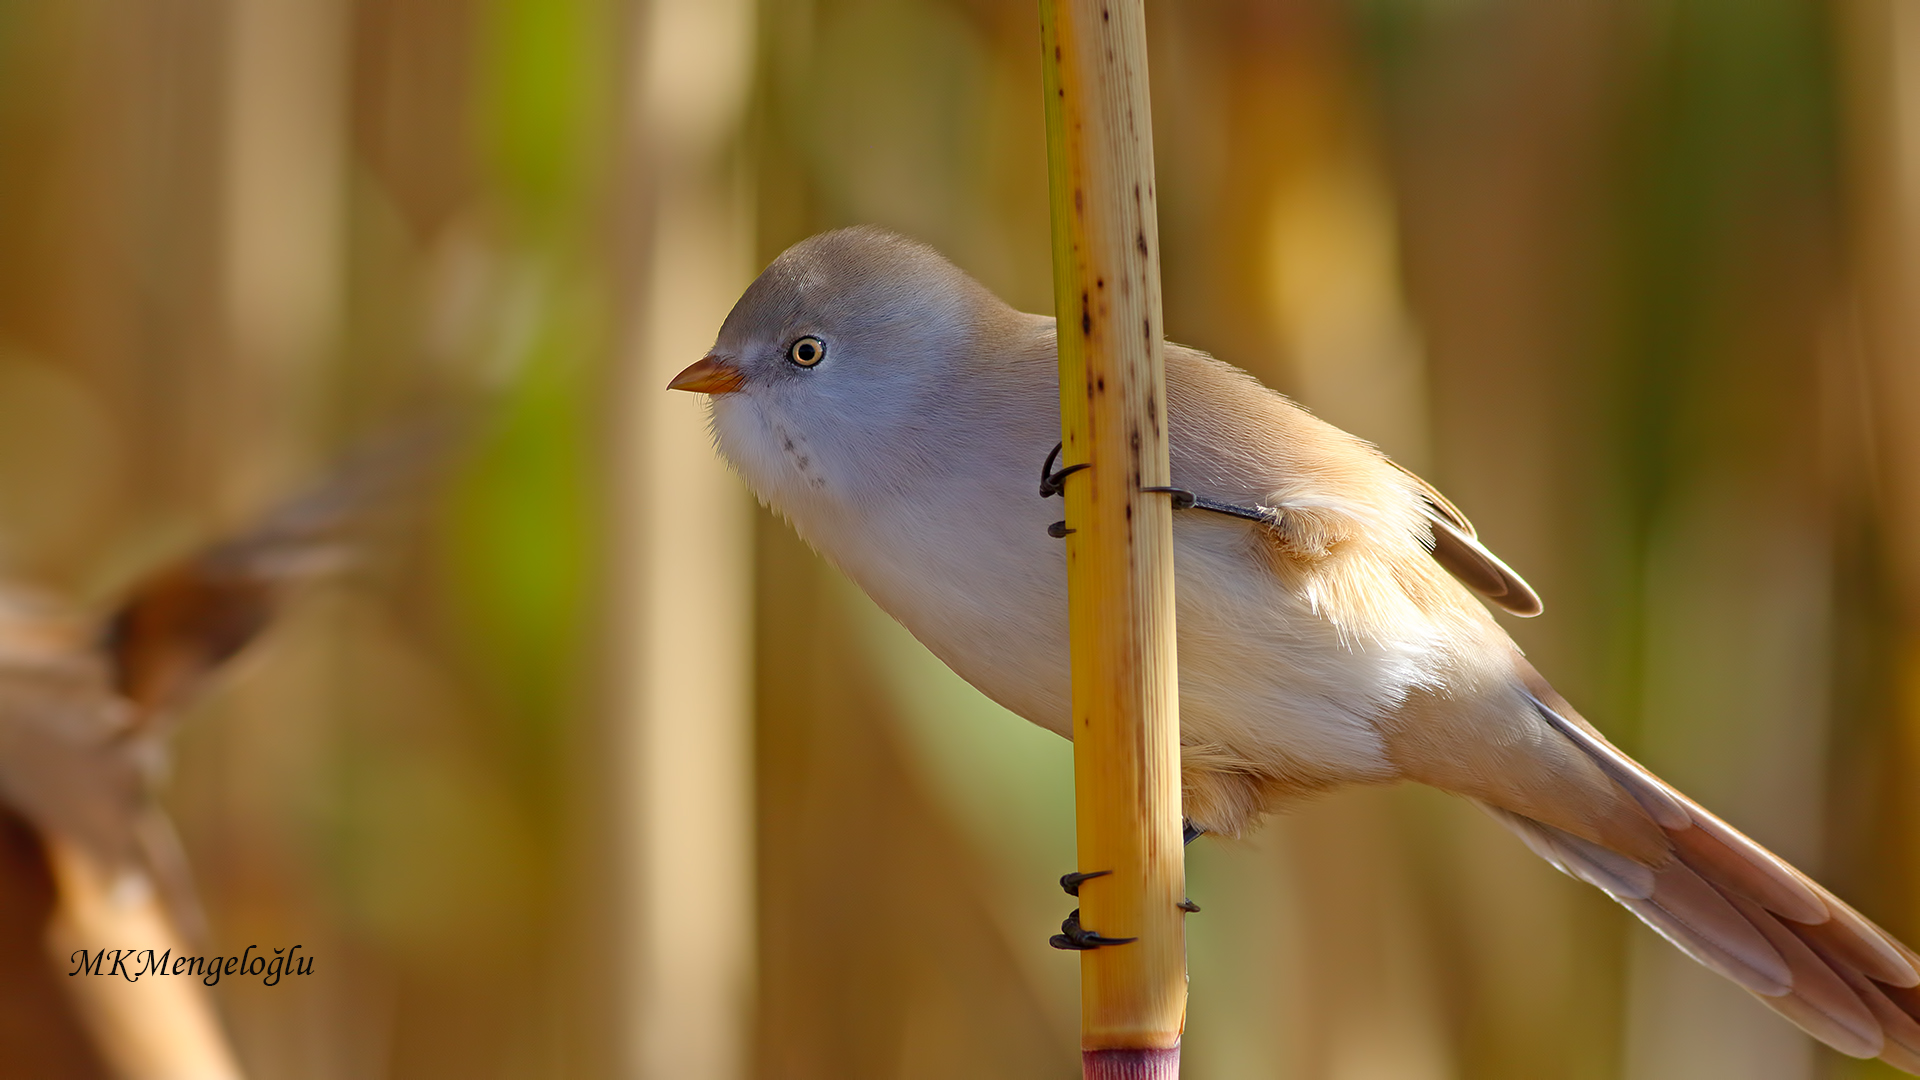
(688,739)
(147,1028)
(1882,42)
(1120,555)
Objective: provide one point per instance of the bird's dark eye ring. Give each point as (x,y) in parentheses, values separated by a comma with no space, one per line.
(807,351)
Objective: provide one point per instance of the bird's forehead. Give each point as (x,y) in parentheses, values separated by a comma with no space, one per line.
(777,298)
(820,295)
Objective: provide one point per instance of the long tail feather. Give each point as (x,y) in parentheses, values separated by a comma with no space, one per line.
(1743,912)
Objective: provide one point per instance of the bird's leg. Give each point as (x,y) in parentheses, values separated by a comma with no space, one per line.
(1187,500)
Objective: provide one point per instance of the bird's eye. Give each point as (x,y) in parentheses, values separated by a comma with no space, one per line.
(807,351)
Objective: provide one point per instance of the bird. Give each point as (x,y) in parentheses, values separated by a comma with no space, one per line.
(88,705)
(1331,606)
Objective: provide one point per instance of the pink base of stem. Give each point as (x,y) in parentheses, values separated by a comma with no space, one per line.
(1130,1064)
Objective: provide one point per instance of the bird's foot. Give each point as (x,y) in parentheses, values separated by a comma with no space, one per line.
(1076,938)
(1072,935)
(1054,482)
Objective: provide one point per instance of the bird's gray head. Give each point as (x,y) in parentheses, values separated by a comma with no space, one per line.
(846,341)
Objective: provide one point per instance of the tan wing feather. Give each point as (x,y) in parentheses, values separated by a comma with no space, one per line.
(1457,547)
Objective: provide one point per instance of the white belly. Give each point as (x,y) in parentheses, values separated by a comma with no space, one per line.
(1261,675)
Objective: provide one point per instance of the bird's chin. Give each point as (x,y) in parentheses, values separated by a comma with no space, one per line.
(734,424)
(752,445)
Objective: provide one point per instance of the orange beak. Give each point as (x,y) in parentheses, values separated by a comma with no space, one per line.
(709,375)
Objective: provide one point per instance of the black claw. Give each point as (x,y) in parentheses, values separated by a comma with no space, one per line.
(1051,482)
(1071,882)
(1189,832)
(1182,498)
(1059,531)
(1077,938)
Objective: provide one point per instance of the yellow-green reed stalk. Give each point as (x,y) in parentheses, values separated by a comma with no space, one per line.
(1126,721)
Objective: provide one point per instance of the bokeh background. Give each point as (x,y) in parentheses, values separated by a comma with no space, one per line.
(602,773)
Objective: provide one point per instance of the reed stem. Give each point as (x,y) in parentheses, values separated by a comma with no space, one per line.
(1120,554)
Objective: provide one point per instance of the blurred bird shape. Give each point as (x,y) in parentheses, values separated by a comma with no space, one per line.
(86,708)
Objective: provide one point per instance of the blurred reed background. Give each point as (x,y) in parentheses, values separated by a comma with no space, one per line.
(604,774)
